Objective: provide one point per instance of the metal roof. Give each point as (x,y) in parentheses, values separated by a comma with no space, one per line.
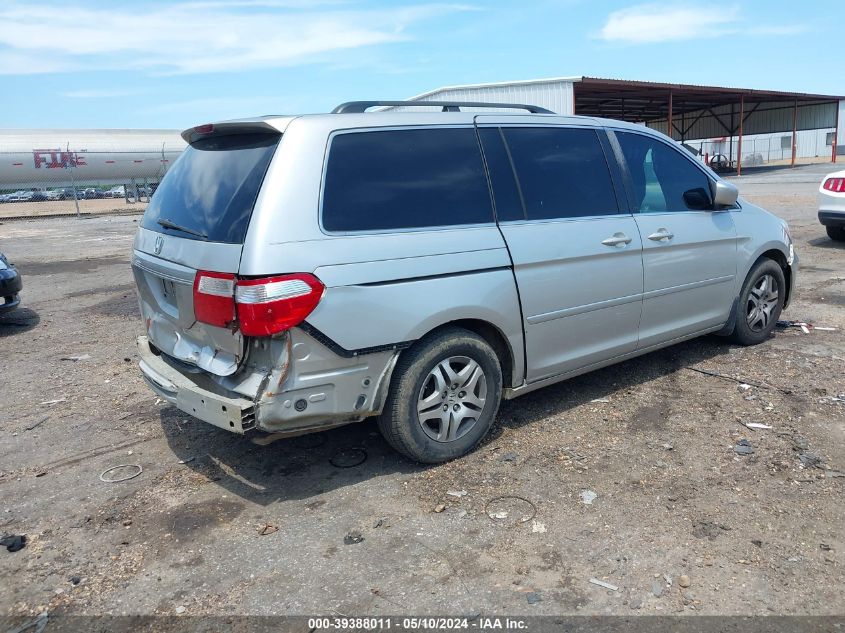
(495,84)
(647,100)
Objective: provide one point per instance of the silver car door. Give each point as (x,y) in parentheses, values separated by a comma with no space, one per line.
(689,250)
(577,258)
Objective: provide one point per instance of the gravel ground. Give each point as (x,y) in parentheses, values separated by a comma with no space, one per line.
(215,524)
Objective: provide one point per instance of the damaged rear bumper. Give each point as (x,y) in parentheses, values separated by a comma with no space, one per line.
(288,385)
(194,394)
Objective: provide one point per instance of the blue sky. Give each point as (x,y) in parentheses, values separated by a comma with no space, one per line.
(150,64)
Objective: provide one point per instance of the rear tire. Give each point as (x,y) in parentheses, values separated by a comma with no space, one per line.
(760,303)
(444,395)
(836,233)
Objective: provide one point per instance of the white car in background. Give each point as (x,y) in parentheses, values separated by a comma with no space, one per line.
(832,205)
(116,192)
(20,196)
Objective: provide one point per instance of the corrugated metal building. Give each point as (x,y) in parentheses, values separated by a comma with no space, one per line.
(554,94)
(774,126)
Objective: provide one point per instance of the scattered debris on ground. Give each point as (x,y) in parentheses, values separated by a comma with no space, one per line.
(132,471)
(353,537)
(267,528)
(587,497)
(743,447)
(604,584)
(13,542)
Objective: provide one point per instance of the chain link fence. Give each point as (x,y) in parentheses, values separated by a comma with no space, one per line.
(811,146)
(49,182)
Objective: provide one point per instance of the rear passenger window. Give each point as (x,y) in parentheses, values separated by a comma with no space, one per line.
(402,179)
(505,191)
(562,172)
(663,178)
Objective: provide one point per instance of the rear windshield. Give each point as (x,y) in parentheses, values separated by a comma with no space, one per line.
(210,191)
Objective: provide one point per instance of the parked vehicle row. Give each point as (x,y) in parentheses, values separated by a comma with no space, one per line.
(67,193)
(421,267)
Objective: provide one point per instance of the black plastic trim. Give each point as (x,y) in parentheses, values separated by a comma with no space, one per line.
(439,276)
(342,351)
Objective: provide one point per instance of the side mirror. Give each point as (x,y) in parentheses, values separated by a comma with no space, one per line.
(698,199)
(724,194)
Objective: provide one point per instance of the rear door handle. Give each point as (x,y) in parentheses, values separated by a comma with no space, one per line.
(661,235)
(616,240)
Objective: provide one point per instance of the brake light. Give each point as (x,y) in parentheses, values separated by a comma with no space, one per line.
(274,304)
(837,185)
(263,306)
(214,301)
(208,128)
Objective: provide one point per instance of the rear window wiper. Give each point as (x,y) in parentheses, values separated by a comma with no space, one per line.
(168,224)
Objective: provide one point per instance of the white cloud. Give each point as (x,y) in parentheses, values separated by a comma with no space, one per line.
(195,37)
(650,23)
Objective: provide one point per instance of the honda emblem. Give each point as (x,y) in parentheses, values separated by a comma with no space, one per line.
(159,244)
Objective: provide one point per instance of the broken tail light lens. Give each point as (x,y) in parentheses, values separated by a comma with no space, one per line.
(270,305)
(214,301)
(836,185)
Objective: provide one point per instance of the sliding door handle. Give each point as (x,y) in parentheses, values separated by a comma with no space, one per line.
(661,235)
(616,239)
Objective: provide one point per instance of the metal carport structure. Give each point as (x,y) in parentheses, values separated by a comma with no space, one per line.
(709,114)
(685,111)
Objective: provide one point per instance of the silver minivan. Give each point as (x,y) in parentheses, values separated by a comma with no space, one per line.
(297,273)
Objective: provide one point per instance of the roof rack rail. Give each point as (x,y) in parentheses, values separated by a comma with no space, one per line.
(358,107)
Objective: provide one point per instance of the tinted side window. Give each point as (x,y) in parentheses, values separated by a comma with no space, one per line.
(562,172)
(400,179)
(505,191)
(663,178)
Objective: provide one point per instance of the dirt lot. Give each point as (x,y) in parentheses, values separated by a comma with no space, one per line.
(654,440)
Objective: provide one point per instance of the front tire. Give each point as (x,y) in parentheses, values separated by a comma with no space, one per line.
(443,398)
(760,303)
(836,233)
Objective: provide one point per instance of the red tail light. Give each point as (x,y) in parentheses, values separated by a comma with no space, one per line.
(837,185)
(274,304)
(264,306)
(214,298)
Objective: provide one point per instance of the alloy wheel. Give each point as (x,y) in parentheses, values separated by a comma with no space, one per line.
(452,398)
(761,302)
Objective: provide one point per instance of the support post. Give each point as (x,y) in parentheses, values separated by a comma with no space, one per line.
(835,136)
(739,144)
(669,118)
(731,135)
(794,132)
(72,166)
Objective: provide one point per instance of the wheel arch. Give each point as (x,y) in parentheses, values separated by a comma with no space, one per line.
(777,253)
(778,256)
(495,338)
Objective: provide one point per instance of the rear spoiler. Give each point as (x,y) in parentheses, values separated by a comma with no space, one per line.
(209,130)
